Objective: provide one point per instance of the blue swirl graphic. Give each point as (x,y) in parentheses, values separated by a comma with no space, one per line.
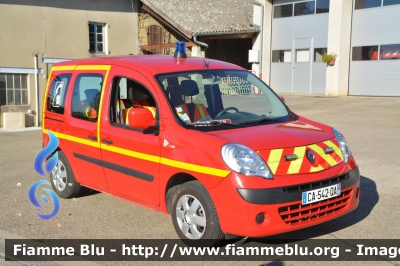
(44,153)
(35,202)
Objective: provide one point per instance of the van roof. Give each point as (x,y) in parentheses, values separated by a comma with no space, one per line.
(154,63)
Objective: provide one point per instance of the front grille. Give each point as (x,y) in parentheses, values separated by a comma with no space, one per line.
(316,185)
(298,214)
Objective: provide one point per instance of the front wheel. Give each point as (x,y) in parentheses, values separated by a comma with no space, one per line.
(194,216)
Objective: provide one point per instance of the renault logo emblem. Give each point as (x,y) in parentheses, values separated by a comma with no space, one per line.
(310,156)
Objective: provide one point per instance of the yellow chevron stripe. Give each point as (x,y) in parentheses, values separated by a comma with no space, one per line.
(336,148)
(321,152)
(273,159)
(295,165)
(316,169)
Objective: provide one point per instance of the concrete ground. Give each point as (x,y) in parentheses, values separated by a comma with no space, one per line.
(371,126)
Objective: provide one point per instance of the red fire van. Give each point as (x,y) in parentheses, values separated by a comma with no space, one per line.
(203,140)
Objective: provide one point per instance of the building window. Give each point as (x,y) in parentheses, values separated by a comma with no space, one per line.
(385,52)
(318,53)
(322,6)
(304,8)
(13,89)
(155,36)
(391,2)
(97,40)
(388,52)
(362,53)
(281,56)
(283,11)
(361,4)
(302,55)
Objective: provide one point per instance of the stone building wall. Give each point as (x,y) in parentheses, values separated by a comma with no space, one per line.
(145,20)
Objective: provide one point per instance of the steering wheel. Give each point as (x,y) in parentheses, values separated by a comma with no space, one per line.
(226,110)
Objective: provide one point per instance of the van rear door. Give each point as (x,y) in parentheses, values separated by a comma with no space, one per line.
(81,125)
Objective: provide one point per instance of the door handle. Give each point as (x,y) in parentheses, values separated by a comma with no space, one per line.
(107,141)
(92,137)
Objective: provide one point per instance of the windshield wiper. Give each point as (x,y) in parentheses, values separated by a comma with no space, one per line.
(210,123)
(262,121)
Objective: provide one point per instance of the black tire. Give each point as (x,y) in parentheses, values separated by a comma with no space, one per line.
(200,223)
(62,179)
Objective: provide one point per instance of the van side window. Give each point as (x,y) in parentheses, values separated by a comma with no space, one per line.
(127,94)
(57,92)
(86,96)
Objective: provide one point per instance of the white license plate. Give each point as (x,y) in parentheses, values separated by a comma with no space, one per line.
(320,194)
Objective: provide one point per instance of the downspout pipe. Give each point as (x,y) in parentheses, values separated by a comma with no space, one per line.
(262,35)
(36,90)
(195,34)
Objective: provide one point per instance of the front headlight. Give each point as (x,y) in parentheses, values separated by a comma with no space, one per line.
(245,161)
(342,144)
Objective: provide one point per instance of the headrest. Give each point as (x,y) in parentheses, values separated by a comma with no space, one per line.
(173,82)
(139,96)
(189,88)
(136,94)
(91,93)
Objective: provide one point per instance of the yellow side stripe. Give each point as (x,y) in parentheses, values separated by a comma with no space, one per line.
(130,153)
(147,157)
(74,139)
(195,168)
(101,67)
(58,135)
(93,67)
(59,68)
(83,141)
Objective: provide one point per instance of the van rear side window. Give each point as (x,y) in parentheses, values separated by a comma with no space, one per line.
(86,96)
(57,92)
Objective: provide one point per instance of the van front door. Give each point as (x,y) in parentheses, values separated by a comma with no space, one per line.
(130,156)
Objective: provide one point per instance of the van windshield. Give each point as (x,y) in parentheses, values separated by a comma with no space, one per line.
(222,98)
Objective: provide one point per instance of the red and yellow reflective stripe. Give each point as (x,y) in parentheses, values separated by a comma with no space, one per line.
(279,166)
(147,157)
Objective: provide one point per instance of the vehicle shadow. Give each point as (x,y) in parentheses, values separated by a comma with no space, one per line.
(85,192)
(369,197)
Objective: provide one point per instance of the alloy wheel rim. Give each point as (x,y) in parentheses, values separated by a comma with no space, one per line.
(191,217)
(59,176)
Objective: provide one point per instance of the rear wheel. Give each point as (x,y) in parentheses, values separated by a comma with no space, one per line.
(63,180)
(194,216)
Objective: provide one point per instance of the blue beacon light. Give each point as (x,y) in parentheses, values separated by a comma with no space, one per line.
(180,49)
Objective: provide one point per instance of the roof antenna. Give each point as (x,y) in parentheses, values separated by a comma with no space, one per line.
(198,47)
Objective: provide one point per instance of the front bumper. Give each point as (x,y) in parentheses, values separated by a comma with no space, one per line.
(281,207)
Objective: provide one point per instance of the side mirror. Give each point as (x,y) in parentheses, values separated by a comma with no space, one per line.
(282,99)
(140,117)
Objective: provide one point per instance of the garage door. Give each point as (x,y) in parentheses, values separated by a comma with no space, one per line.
(375,51)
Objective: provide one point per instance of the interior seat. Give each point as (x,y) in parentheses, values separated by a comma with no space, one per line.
(195,111)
